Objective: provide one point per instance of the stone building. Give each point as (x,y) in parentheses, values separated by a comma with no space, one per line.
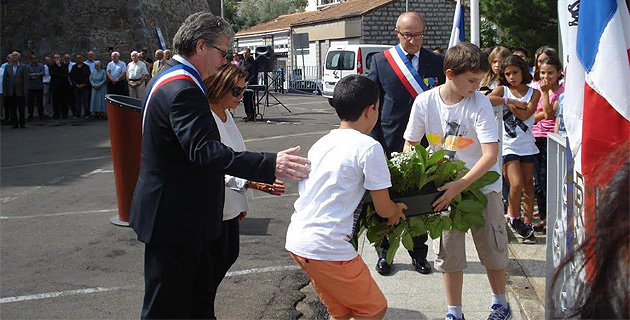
(74,27)
(348,22)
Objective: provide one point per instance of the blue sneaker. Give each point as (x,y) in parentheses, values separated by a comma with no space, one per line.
(499,312)
(451,316)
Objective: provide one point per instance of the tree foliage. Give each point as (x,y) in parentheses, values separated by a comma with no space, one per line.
(253,12)
(519,23)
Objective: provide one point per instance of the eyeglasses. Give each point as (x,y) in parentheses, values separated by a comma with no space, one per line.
(223,53)
(236,91)
(410,36)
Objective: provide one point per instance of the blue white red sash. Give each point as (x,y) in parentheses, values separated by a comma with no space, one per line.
(177,72)
(405,71)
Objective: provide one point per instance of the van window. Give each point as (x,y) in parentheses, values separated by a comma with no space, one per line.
(340,60)
(368,60)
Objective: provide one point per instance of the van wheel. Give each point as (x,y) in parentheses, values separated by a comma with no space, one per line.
(330,102)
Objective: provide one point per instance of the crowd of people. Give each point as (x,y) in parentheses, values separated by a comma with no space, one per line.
(65,87)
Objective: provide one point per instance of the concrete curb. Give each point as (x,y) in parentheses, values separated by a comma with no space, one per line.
(519,284)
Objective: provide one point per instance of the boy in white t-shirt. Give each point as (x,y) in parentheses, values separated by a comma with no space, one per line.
(344,163)
(458,118)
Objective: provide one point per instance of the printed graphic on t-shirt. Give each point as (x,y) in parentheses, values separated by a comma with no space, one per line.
(510,122)
(452,140)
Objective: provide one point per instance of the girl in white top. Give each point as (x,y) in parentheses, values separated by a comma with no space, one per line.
(519,144)
(225,91)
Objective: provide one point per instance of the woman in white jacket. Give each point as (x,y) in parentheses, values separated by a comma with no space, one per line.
(225,91)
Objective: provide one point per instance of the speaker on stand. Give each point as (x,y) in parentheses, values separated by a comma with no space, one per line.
(266,61)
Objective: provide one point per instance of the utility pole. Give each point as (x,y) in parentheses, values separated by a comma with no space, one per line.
(474,22)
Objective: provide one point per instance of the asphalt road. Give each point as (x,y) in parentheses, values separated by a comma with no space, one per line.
(60,257)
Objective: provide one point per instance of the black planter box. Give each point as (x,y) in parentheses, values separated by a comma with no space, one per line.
(417,204)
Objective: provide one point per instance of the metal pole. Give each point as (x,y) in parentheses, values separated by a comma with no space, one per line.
(407,6)
(474,22)
(222,10)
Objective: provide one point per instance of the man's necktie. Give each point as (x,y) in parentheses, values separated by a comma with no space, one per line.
(410,56)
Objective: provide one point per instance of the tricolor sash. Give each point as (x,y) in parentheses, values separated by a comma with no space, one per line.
(177,72)
(404,70)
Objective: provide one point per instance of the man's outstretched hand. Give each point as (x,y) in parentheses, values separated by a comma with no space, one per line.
(290,166)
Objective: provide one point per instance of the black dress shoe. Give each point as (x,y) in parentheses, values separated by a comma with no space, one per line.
(383,267)
(422,265)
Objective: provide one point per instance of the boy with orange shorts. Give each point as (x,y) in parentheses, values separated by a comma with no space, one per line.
(344,163)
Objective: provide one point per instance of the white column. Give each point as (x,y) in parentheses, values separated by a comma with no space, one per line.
(474,22)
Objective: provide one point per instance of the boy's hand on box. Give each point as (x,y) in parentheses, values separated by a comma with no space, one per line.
(450,189)
(395,219)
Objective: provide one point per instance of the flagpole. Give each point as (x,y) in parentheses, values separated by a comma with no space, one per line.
(474,22)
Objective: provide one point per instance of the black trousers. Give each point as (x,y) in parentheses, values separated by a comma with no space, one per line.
(540,176)
(15,105)
(119,87)
(248,102)
(224,253)
(35,97)
(178,282)
(420,249)
(60,100)
(181,281)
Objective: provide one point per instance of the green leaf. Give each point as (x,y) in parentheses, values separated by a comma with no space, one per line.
(488,178)
(475,219)
(417,226)
(480,196)
(457,220)
(447,224)
(423,154)
(407,241)
(470,206)
(443,173)
(436,156)
(436,233)
(399,230)
(424,180)
(375,233)
(460,165)
(457,199)
(393,247)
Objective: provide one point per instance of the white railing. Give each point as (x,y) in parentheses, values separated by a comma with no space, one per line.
(565,228)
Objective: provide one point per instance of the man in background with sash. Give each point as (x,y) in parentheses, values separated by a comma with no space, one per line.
(400,73)
(177,206)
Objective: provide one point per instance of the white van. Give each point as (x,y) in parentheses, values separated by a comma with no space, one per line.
(344,60)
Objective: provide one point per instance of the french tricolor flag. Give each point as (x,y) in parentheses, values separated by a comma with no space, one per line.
(457,32)
(602,47)
(596,43)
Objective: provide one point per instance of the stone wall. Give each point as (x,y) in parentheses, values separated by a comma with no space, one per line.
(378,25)
(74,27)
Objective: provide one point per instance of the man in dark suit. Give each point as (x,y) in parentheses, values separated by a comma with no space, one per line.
(408,60)
(177,206)
(250,65)
(15,88)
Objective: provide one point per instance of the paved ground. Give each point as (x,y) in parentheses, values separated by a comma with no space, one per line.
(61,258)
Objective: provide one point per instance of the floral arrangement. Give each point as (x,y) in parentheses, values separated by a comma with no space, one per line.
(416,172)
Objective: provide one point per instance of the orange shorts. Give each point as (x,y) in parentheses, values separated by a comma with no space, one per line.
(344,286)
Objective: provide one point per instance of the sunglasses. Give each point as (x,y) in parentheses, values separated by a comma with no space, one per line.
(236,91)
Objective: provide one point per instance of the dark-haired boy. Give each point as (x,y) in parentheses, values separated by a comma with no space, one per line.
(344,163)
(458,118)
